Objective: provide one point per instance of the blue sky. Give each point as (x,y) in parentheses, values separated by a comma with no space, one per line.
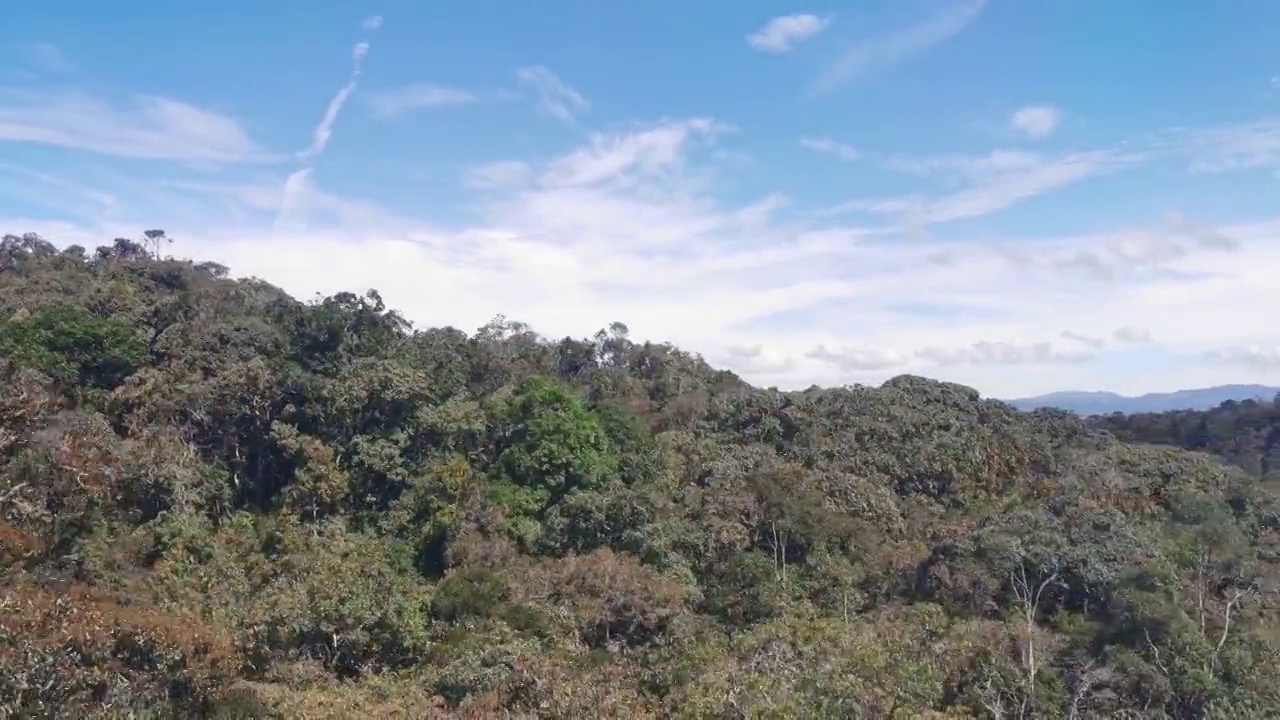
(1023,197)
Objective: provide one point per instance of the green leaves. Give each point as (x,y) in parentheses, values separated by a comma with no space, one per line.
(74,347)
(551,443)
(491,523)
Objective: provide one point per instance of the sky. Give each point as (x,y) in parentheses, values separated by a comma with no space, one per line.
(1019,196)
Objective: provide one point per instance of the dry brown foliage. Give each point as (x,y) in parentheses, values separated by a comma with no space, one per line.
(90,646)
(16,544)
(611,597)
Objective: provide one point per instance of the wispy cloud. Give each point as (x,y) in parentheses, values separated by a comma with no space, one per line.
(888,50)
(1121,257)
(1243,146)
(969,166)
(293,209)
(153,128)
(1036,121)
(391,103)
(1089,342)
(988,183)
(498,175)
(634,225)
(49,191)
(827,146)
(1002,189)
(1258,356)
(47,58)
(324,131)
(1131,335)
(755,359)
(985,352)
(1202,233)
(644,153)
(1078,349)
(899,206)
(859,358)
(781,34)
(1120,337)
(298,193)
(553,96)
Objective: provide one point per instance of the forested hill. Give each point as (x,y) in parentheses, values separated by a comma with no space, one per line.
(220,501)
(1245,433)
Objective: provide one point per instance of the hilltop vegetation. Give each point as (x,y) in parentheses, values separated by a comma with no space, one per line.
(217,500)
(1245,433)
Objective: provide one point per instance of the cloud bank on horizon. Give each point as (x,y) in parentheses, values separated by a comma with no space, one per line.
(992,194)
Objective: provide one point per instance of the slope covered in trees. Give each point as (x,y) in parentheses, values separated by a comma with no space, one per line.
(1245,433)
(218,500)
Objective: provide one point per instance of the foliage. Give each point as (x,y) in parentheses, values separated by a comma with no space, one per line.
(1246,433)
(74,347)
(218,501)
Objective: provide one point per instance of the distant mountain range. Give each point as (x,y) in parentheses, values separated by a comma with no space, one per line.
(1098,403)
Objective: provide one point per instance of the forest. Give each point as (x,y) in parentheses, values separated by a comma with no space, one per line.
(1244,433)
(220,501)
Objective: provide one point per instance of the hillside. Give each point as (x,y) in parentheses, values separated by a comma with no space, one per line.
(1246,434)
(220,501)
(1101,403)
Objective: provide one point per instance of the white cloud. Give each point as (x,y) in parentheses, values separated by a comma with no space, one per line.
(985,352)
(150,127)
(755,359)
(987,183)
(609,157)
(827,146)
(1036,121)
(859,358)
(1005,188)
(1262,357)
(887,50)
(372,23)
(571,259)
(390,103)
(781,34)
(632,226)
(553,96)
(1132,335)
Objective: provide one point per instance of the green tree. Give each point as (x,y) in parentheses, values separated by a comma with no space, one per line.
(550,444)
(76,348)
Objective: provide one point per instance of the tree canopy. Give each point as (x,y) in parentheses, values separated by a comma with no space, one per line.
(218,500)
(1245,433)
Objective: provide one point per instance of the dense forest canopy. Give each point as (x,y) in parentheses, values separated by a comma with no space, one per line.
(218,500)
